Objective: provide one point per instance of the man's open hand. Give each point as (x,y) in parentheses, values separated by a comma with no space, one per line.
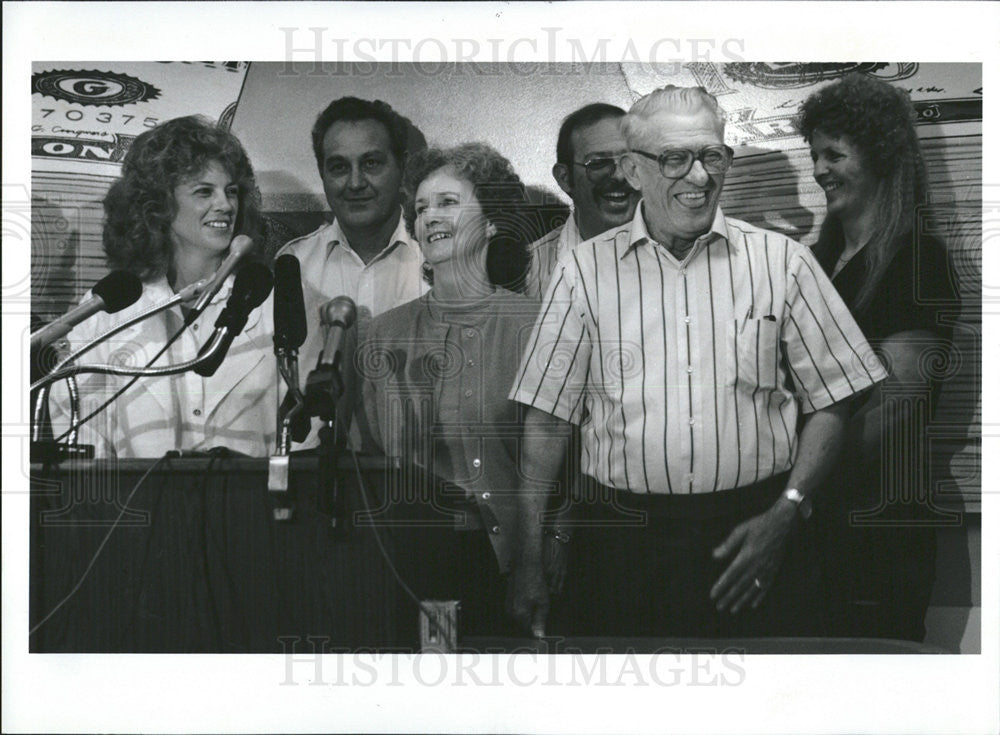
(756,548)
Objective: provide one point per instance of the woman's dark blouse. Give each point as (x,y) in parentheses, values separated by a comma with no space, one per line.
(914,289)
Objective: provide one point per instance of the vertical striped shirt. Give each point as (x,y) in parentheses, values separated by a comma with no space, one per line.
(689,377)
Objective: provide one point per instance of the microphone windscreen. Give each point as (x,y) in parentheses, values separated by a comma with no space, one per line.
(289,308)
(252,285)
(118,290)
(340,310)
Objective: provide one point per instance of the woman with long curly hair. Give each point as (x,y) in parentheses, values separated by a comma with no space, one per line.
(877,246)
(436,374)
(186,190)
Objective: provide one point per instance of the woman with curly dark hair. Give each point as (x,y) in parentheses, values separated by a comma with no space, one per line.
(876,245)
(186,190)
(436,375)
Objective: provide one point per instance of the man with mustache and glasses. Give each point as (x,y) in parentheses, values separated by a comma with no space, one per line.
(708,364)
(588,152)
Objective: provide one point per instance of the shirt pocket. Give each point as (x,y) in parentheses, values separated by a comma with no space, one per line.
(755,344)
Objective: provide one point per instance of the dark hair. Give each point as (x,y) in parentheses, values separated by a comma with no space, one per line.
(139,207)
(500,194)
(353,109)
(587,115)
(878,119)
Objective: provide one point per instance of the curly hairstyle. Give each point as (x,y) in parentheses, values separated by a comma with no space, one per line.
(500,194)
(139,207)
(877,119)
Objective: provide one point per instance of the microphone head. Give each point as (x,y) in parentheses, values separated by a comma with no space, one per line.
(340,310)
(118,290)
(289,308)
(240,246)
(252,285)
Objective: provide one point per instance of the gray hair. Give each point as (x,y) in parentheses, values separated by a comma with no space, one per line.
(675,99)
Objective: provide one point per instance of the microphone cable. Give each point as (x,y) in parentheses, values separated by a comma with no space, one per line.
(431,619)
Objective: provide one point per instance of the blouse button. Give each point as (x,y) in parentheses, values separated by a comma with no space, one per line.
(197,412)
(486,496)
(495,530)
(476,462)
(194,327)
(468,394)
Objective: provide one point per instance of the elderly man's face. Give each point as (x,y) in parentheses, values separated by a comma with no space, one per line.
(677,211)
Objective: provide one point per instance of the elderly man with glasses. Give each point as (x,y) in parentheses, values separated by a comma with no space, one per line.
(588,153)
(708,364)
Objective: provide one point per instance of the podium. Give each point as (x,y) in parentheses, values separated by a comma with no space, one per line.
(194,561)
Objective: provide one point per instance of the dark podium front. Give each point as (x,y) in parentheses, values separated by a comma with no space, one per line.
(194,561)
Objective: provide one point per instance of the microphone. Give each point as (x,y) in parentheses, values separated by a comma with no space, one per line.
(289,334)
(324,385)
(252,285)
(289,308)
(114,292)
(240,246)
(337,315)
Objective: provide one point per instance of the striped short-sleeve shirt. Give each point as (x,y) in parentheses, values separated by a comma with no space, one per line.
(689,377)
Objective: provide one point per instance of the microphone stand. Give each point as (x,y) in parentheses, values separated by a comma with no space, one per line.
(324,387)
(277,467)
(41,442)
(50,451)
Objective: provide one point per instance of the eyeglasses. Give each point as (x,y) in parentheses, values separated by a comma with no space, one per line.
(675,163)
(601,167)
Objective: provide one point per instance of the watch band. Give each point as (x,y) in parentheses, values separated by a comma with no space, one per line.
(802,503)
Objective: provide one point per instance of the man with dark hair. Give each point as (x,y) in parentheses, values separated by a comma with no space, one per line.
(588,152)
(365,252)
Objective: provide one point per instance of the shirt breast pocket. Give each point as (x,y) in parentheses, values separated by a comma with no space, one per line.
(756,354)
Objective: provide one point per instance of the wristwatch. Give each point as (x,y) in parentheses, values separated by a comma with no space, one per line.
(802,503)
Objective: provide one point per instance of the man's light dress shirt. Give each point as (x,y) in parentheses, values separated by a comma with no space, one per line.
(686,377)
(331,268)
(235,408)
(545,253)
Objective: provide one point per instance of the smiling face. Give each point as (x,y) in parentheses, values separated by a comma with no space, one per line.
(839,168)
(608,202)
(361,177)
(450,224)
(677,211)
(206,209)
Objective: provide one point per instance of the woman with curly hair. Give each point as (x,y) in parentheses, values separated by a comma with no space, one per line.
(436,374)
(876,246)
(186,190)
